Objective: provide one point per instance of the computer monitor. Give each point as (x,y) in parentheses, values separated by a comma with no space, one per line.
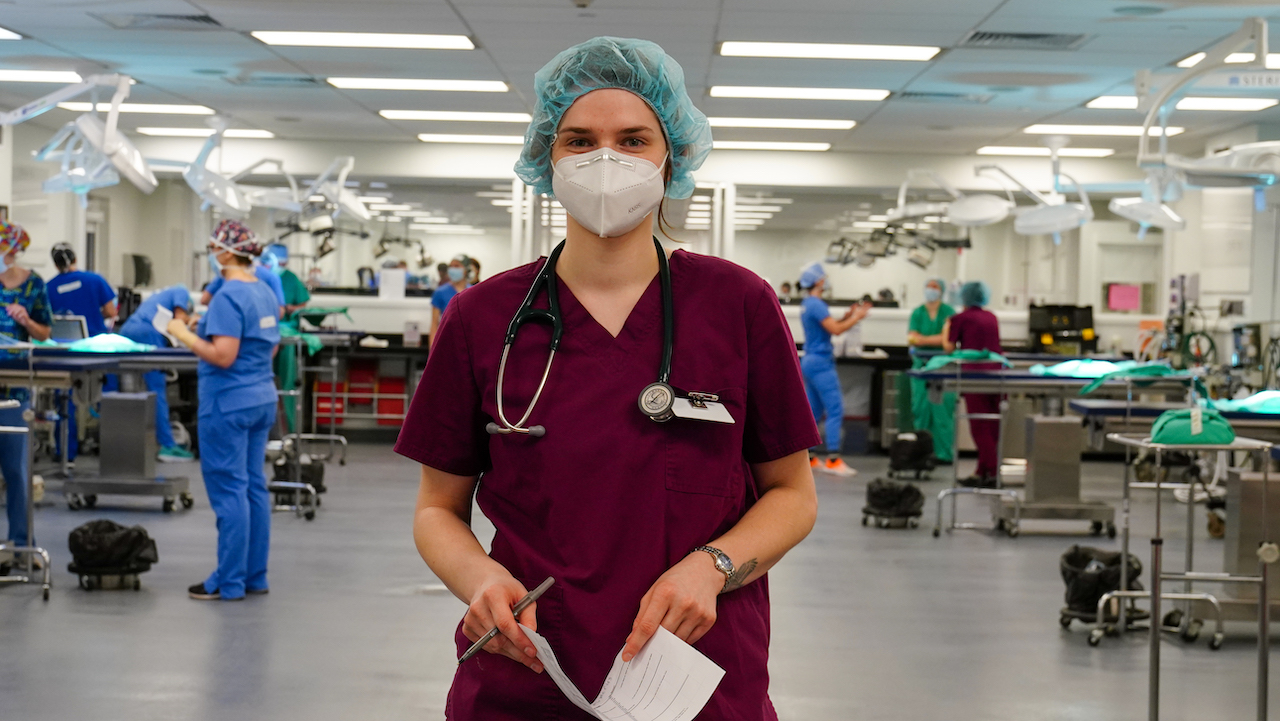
(68,328)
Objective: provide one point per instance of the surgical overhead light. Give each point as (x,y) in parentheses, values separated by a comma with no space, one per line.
(1162,186)
(335,191)
(274,198)
(214,189)
(921,255)
(326,247)
(92,153)
(1051,215)
(968,211)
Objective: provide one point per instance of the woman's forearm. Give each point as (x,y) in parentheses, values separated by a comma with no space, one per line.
(783,516)
(39,331)
(452,552)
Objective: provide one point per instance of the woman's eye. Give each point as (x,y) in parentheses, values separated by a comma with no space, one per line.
(633,143)
(578,143)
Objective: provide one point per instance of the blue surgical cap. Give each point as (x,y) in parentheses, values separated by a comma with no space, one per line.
(811,275)
(975,294)
(942,284)
(638,66)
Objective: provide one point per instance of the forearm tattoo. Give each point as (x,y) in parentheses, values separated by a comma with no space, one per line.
(739,577)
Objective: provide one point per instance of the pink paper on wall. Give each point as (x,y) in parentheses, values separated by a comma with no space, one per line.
(1124,297)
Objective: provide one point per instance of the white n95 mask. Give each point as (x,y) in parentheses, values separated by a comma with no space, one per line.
(608,193)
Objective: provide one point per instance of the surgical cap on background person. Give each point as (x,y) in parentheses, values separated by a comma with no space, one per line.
(975,294)
(12,237)
(638,66)
(234,236)
(942,284)
(811,275)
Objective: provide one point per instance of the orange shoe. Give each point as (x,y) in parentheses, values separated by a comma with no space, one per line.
(813,463)
(837,467)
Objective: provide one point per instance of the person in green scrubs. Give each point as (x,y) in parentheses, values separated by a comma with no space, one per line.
(296,297)
(924,332)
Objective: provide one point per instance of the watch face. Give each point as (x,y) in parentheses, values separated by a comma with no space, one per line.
(723,564)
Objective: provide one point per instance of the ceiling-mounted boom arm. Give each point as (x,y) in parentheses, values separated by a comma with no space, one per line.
(1040,199)
(43,105)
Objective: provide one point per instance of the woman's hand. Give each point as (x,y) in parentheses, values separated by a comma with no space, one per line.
(490,607)
(682,600)
(176,327)
(913,338)
(19,314)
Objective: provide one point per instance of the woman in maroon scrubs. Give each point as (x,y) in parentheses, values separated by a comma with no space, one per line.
(976,328)
(610,503)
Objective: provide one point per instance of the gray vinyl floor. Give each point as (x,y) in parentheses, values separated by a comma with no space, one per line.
(869,624)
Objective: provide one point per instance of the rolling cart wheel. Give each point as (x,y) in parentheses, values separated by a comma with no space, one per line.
(864,520)
(1215,643)
(342,462)
(1095,637)
(309,515)
(937,532)
(1172,619)
(1192,631)
(91,500)
(1095,528)
(1111,530)
(1111,630)
(1064,620)
(167,506)
(74,502)
(1012,529)
(319,501)
(137,584)
(913,522)
(45,593)
(1000,525)
(187,500)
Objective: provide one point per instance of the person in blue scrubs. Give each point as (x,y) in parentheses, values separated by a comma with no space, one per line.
(78,292)
(177,300)
(457,272)
(235,341)
(819,365)
(24,315)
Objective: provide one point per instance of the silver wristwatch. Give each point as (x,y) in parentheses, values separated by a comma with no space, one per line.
(723,563)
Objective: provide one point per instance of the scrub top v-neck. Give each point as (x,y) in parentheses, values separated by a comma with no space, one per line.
(608,500)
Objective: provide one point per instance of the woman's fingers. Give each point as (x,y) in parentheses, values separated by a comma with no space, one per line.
(492,609)
(652,611)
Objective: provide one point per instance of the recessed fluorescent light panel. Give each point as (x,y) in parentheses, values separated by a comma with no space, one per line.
(451,116)
(767,145)
(1244,105)
(774,93)
(1117,130)
(472,139)
(365,40)
(834,51)
(1273,59)
(1044,152)
(788,123)
(389,206)
(206,132)
(38,76)
(153,108)
(455,86)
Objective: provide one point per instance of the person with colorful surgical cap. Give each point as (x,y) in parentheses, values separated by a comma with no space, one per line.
(26,316)
(976,328)
(642,524)
(925,333)
(235,341)
(821,381)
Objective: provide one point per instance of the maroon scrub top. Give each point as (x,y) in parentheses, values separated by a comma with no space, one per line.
(976,329)
(608,500)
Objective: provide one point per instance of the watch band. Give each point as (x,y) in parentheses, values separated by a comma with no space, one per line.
(723,563)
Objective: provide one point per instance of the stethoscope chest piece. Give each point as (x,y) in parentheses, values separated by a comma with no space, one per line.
(656,401)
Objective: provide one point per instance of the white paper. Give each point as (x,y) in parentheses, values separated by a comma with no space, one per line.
(391,283)
(669,680)
(160,321)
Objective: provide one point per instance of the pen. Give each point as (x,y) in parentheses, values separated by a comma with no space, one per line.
(520,606)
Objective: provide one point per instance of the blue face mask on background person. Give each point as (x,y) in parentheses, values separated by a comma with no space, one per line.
(456,274)
(3,265)
(213,262)
(932,295)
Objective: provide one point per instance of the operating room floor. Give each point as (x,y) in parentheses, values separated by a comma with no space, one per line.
(869,624)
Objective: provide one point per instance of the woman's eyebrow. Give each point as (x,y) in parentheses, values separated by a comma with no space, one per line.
(576,131)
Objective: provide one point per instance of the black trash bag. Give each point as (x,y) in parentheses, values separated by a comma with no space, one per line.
(107,544)
(1091,572)
(912,452)
(894,499)
(312,472)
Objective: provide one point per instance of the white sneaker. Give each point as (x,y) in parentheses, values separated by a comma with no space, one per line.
(837,467)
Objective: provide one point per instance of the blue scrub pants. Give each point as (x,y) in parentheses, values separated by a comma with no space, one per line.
(825,397)
(13,464)
(157,383)
(73,443)
(233,449)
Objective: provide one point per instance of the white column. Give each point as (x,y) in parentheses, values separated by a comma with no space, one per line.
(730,229)
(517,226)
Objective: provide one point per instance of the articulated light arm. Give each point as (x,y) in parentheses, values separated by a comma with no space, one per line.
(38,107)
(1040,199)
(1252,33)
(937,179)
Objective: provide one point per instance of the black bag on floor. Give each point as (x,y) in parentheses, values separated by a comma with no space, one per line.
(912,452)
(107,544)
(1091,572)
(891,499)
(312,472)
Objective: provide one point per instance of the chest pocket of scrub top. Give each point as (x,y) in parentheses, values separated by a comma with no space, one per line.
(705,457)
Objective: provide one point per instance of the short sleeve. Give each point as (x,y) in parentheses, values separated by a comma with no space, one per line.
(779,421)
(445,426)
(224,317)
(915,324)
(40,311)
(438,301)
(180,297)
(945,311)
(105,292)
(215,285)
(953,335)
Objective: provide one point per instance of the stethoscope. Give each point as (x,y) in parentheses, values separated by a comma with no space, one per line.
(657,398)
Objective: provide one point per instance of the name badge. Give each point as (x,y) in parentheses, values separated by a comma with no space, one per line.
(74,285)
(267,321)
(701,407)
